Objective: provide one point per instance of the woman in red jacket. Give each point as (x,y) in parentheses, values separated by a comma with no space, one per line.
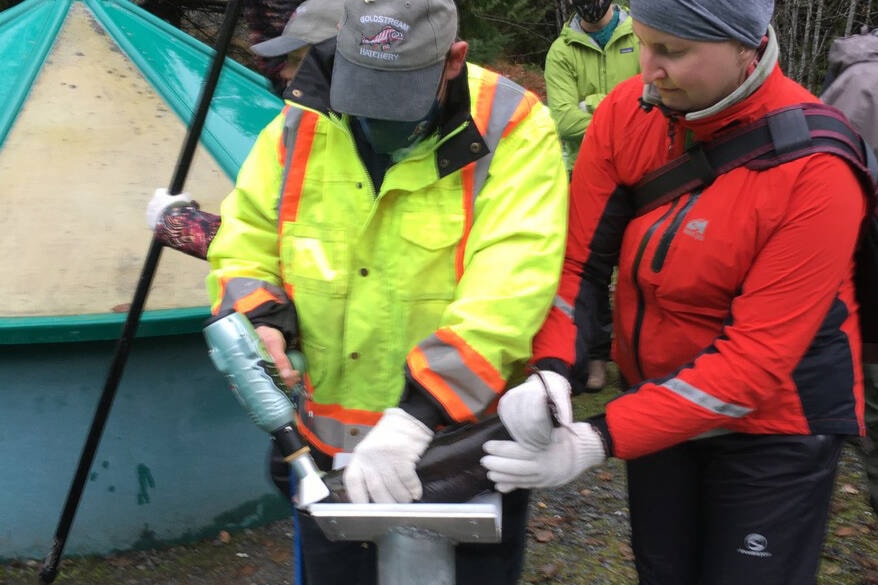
(735,322)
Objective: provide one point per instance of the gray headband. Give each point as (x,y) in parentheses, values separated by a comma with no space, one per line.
(707,20)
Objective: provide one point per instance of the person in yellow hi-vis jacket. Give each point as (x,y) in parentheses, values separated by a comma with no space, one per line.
(403,221)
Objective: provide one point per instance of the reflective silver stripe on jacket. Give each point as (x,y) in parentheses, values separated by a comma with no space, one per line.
(335,433)
(506,101)
(465,383)
(705,400)
(563,306)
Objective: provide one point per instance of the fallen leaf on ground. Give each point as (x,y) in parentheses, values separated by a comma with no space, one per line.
(280,556)
(549,570)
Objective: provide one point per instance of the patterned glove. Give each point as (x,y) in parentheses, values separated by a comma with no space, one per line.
(382,466)
(574,448)
(528,410)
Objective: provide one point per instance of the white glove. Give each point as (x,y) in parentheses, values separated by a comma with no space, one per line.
(527,410)
(382,466)
(591,102)
(574,448)
(161,202)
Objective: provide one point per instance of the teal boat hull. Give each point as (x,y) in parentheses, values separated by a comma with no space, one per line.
(179,459)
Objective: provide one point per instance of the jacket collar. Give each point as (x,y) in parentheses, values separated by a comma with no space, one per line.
(310,86)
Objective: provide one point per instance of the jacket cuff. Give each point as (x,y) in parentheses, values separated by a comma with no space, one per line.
(553,365)
(281,316)
(419,403)
(599,422)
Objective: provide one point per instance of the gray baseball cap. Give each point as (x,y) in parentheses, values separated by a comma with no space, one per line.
(313,22)
(390,57)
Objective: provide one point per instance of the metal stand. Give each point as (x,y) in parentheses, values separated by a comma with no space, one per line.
(415,541)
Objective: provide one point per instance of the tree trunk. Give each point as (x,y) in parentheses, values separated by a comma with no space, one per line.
(817,44)
(560,14)
(792,11)
(849,23)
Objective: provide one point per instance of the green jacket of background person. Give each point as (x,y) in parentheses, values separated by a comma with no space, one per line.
(579,73)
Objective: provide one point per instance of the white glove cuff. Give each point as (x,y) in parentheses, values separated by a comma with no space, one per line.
(408,426)
(590,449)
(558,390)
(554,380)
(161,202)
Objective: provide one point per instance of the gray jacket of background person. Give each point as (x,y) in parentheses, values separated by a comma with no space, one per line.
(853,89)
(853,69)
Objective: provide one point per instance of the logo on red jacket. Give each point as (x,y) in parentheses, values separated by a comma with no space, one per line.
(696,228)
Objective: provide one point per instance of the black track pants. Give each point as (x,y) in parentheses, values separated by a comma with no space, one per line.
(733,510)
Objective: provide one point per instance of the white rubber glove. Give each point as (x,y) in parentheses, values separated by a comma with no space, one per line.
(382,466)
(574,448)
(591,102)
(161,201)
(527,410)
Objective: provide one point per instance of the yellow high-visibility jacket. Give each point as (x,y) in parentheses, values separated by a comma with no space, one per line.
(440,278)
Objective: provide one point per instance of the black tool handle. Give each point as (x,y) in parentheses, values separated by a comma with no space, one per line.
(49,568)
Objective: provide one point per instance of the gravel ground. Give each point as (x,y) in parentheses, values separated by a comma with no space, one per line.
(578,535)
(588,514)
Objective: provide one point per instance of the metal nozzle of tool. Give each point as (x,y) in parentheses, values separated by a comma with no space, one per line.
(239,354)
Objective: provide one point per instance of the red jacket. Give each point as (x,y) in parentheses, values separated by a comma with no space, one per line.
(734,306)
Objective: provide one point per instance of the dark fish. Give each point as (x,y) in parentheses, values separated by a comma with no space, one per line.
(449,470)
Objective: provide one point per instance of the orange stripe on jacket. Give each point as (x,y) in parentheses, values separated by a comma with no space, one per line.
(292,188)
(439,389)
(468,177)
(348,416)
(484,104)
(521,112)
(337,413)
(255,299)
(215,307)
(313,440)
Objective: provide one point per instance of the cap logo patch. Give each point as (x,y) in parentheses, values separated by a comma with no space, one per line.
(377,45)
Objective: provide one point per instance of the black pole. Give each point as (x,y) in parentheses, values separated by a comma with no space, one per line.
(49,569)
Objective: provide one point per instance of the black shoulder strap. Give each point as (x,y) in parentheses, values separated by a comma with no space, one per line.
(780,136)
